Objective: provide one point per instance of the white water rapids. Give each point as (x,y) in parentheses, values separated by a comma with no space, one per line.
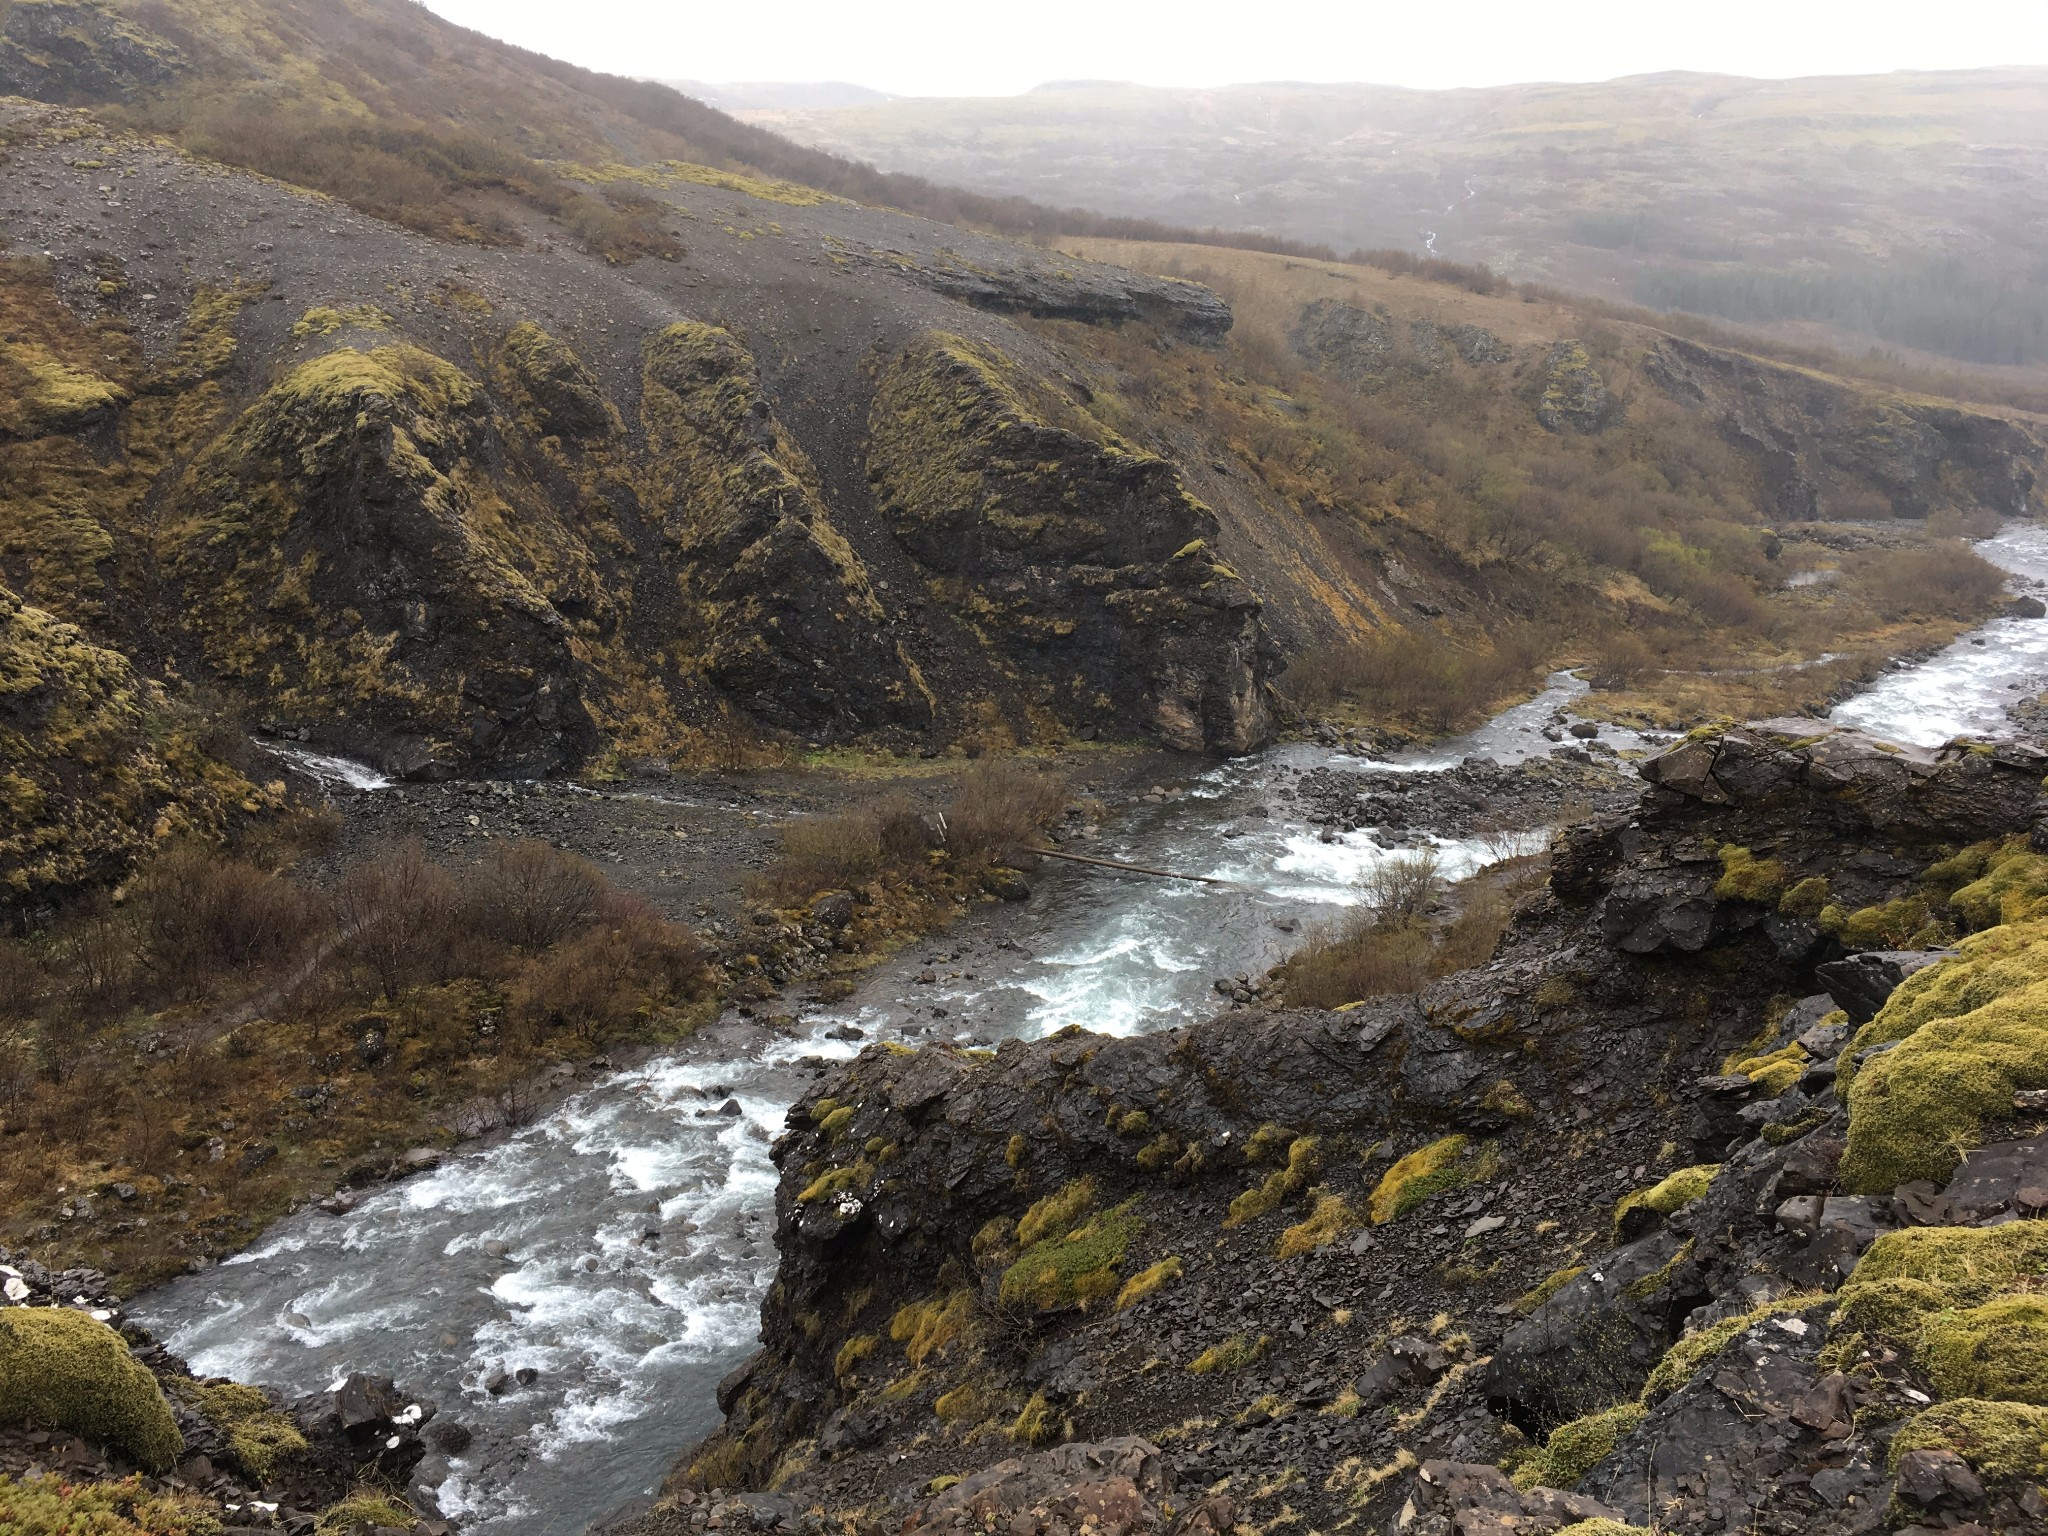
(628,1333)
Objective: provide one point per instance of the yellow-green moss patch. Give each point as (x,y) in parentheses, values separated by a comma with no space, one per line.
(1074,1268)
(2003,1439)
(1283,1183)
(1451,1163)
(1669,1194)
(61,1370)
(1146,1281)
(1745,877)
(1574,1449)
(262,1438)
(1233,1354)
(1329,1219)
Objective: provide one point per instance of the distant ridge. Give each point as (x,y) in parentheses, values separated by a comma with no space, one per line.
(779,95)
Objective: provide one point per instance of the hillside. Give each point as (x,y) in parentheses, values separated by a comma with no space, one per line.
(1901,209)
(479,491)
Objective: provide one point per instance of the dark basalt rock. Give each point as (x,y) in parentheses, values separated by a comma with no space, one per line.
(70,51)
(1861,984)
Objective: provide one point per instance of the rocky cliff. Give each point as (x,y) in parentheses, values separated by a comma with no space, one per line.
(1593,1211)
(1827,448)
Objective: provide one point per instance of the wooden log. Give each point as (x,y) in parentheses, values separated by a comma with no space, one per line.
(1140,869)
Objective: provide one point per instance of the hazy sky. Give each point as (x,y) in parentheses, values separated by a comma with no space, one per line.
(973,47)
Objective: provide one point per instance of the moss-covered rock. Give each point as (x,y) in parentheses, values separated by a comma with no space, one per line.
(1970,1032)
(96,766)
(1998,1439)
(343,556)
(1640,1210)
(78,51)
(1077,561)
(788,612)
(61,1370)
(1575,395)
(1573,1449)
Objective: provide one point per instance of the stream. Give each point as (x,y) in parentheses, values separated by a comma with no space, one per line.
(618,1247)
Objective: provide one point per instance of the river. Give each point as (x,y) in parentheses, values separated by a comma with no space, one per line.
(619,1247)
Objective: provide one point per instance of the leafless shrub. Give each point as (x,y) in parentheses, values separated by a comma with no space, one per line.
(201,913)
(1401,888)
(394,915)
(602,978)
(820,853)
(1000,808)
(532,895)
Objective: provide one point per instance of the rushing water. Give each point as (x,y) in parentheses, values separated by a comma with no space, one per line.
(619,1248)
(1966,689)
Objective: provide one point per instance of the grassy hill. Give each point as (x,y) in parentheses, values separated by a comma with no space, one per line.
(1900,209)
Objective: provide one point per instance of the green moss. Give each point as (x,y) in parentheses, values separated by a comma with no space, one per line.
(2012,888)
(1604,1527)
(834,1125)
(1146,1281)
(1074,1268)
(1969,1264)
(1890,926)
(1160,1152)
(1037,1424)
(1133,1122)
(1997,1350)
(1233,1354)
(1013,1153)
(1282,1184)
(1551,1284)
(1971,1032)
(963,1402)
(1451,1163)
(42,393)
(924,1328)
(835,1181)
(1745,877)
(262,1438)
(323,320)
(364,1508)
(1269,1143)
(61,1370)
(1331,1217)
(1669,1194)
(1700,1346)
(1574,1449)
(1056,1213)
(852,1353)
(1808,899)
(2001,1439)
(51,1506)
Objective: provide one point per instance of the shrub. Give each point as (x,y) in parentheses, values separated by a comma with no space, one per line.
(1939,580)
(1401,888)
(395,915)
(201,913)
(532,895)
(61,1370)
(603,979)
(1000,808)
(1356,959)
(820,853)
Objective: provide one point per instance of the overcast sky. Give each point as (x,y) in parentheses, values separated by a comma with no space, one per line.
(961,47)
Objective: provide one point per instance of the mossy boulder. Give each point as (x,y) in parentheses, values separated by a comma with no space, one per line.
(1970,1032)
(1572,1450)
(62,1370)
(1575,396)
(1998,1439)
(1643,1210)
(78,52)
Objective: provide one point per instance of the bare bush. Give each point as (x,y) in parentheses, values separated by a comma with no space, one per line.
(600,980)
(394,915)
(820,853)
(1000,808)
(1942,580)
(532,895)
(1356,959)
(1416,676)
(202,913)
(1401,888)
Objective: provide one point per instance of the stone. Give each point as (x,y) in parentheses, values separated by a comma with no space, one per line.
(1861,984)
